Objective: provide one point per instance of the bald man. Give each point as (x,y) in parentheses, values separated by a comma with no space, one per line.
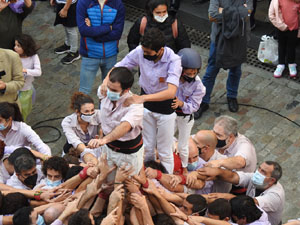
(53,212)
(206,142)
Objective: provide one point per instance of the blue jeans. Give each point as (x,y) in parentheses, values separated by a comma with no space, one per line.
(89,69)
(211,73)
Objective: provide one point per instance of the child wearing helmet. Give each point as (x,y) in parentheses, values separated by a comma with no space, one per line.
(188,99)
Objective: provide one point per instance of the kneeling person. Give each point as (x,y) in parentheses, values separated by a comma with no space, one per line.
(122,126)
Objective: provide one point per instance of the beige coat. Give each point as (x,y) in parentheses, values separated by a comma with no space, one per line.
(275,16)
(10,62)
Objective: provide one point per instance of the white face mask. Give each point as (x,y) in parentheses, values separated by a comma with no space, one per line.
(86,117)
(160,19)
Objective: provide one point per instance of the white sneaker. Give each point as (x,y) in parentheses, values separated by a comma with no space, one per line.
(293,70)
(279,70)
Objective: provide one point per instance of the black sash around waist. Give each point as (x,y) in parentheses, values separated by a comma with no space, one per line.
(127,147)
(163,107)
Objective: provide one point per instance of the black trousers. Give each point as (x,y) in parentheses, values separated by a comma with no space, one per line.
(287,41)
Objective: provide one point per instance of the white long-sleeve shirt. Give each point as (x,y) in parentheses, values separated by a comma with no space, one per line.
(33,66)
(21,134)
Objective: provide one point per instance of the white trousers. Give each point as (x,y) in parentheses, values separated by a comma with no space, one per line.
(116,158)
(158,132)
(184,126)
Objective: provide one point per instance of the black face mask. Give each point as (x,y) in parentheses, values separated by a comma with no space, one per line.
(31,181)
(188,79)
(151,57)
(199,150)
(221,143)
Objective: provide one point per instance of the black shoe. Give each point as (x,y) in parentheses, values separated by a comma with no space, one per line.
(62,49)
(71,57)
(232,104)
(203,107)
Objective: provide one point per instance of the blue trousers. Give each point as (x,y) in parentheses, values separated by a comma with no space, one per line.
(89,69)
(211,73)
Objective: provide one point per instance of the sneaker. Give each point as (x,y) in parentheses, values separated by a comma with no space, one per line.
(293,70)
(62,49)
(71,57)
(279,70)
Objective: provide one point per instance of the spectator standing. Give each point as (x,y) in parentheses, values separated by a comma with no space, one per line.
(11,76)
(26,48)
(157,16)
(66,15)
(100,25)
(284,15)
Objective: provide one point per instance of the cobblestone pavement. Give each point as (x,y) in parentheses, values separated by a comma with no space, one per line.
(274,137)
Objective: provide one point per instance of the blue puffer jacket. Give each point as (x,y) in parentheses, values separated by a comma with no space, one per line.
(100,40)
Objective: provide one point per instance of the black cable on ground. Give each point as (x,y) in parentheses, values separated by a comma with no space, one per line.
(36,126)
(262,108)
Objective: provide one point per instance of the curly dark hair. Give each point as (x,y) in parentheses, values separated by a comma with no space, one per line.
(56,163)
(78,99)
(28,44)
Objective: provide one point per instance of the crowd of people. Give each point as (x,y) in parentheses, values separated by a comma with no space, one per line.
(133,159)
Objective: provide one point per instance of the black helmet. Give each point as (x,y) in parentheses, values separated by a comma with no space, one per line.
(190,58)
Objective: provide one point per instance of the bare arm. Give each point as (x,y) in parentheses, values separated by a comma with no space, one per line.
(139,202)
(157,97)
(208,221)
(236,162)
(7,220)
(222,174)
(118,132)
(27,3)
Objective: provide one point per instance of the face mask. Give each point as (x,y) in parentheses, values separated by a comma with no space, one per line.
(113,96)
(31,181)
(188,79)
(199,150)
(151,57)
(2,127)
(51,183)
(40,220)
(258,180)
(221,143)
(86,117)
(192,166)
(160,19)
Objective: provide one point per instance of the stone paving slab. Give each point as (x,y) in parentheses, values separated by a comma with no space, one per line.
(274,137)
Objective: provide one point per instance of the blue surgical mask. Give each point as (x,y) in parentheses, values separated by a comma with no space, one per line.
(258,180)
(40,220)
(113,96)
(51,183)
(192,166)
(2,127)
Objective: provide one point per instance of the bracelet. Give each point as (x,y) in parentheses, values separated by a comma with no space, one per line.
(118,183)
(183,179)
(103,195)
(83,173)
(37,195)
(146,185)
(159,175)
